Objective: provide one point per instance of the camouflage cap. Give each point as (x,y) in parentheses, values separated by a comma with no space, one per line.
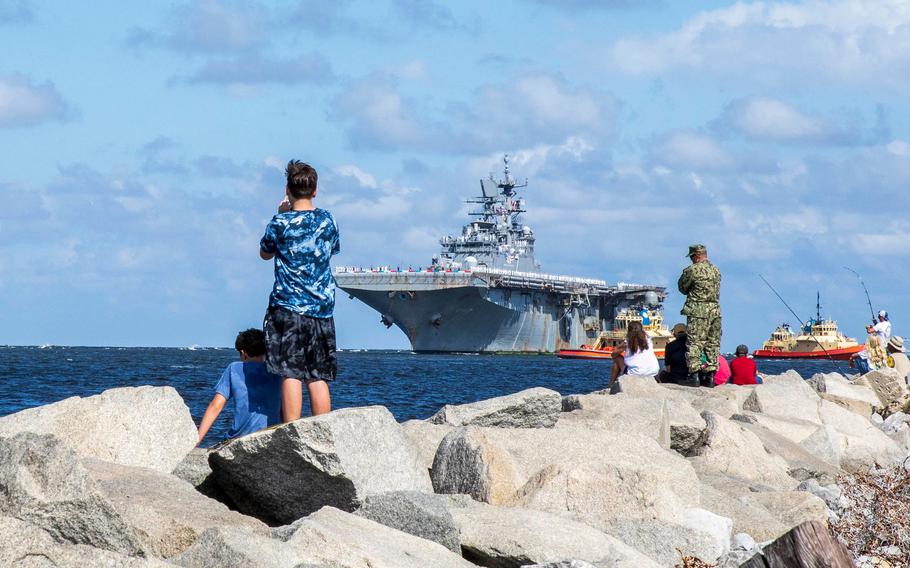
(695,249)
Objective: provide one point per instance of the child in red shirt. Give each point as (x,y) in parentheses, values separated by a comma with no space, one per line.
(743,368)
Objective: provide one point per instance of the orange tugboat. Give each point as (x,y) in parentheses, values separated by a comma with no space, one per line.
(651,320)
(819,339)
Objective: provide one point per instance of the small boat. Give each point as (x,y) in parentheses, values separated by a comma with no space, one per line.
(651,321)
(820,338)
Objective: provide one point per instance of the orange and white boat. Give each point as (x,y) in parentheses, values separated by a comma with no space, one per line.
(819,339)
(651,320)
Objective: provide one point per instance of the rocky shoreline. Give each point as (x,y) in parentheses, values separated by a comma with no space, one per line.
(635,479)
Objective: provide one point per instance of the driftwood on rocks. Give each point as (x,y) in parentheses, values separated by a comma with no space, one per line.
(809,545)
(531,408)
(287,472)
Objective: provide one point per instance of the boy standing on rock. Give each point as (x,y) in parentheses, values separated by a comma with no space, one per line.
(299,328)
(253,389)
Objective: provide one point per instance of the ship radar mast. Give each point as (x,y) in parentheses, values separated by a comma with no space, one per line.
(497,237)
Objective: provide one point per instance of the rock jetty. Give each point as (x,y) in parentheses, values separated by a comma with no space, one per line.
(639,478)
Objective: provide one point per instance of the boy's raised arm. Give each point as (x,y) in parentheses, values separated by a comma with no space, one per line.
(211,413)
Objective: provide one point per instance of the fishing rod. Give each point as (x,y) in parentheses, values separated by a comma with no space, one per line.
(809,328)
(868,300)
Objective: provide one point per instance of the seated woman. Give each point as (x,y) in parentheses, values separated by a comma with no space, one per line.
(722,376)
(743,368)
(638,356)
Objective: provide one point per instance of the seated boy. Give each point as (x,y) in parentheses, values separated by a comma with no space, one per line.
(255,391)
(299,328)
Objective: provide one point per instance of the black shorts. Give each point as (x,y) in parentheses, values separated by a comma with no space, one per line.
(299,346)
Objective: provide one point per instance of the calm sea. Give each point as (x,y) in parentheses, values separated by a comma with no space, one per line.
(410,385)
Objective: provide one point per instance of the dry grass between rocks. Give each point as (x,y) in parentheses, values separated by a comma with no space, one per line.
(693,562)
(877,522)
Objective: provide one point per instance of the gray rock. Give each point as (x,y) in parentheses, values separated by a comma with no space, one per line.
(785,398)
(27,546)
(888,385)
(801,464)
(862,443)
(743,541)
(420,514)
(167,514)
(425,437)
(619,414)
(42,482)
(636,385)
(468,463)
(282,474)
(726,447)
(238,547)
(531,408)
(337,539)
(562,564)
(878,420)
(507,536)
(137,426)
(893,423)
(195,470)
(830,494)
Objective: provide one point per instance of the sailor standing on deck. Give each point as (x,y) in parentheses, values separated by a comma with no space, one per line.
(700,283)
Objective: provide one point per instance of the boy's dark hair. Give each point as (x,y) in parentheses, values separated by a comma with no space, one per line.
(251,341)
(302,179)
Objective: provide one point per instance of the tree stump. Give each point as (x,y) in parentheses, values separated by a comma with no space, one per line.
(809,545)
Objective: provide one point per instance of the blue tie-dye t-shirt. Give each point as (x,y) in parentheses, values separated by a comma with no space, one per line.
(303,242)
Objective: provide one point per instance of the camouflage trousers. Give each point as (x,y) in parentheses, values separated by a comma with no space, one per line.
(703,338)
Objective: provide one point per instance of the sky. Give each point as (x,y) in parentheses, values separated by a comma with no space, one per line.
(143,147)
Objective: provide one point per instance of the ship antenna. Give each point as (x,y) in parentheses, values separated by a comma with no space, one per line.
(505,160)
(818,306)
(779,297)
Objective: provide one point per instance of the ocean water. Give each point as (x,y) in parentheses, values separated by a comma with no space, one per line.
(409,385)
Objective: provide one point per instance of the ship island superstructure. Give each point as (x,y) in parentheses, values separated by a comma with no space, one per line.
(485,292)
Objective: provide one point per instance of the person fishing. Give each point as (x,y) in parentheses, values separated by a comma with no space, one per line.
(700,283)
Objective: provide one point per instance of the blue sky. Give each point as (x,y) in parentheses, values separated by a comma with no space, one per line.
(143,145)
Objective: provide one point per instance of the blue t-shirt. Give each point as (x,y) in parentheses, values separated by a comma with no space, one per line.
(256,394)
(303,242)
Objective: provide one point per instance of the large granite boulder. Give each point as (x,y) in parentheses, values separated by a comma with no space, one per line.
(837,385)
(889,386)
(330,537)
(165,513)
(238,547)
(785,398)
(617,415)
(505,536)
(801,464)
(27,546)
(423,515)
(43,482)
(137,426)
(726,447)
(467,462)
(425,437)
(759,509)
(195,470)
(284,473)
(724,400)
(686,423)
(862,443)
(531,408)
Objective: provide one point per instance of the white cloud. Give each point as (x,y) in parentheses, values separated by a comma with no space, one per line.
(899,148)
(693,150)
(772,119)
(25,103)
(363,178)
(852,41)
(537,107)
(209,26)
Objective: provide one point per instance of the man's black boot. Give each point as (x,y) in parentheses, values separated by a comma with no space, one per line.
(708,380)
(691,380)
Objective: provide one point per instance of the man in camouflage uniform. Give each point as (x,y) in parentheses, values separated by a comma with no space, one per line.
(700,283)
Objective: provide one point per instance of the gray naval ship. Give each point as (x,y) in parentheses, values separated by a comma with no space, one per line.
(484,292)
